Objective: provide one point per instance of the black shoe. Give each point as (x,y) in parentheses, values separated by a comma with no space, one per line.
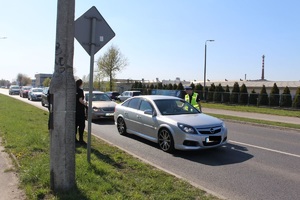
(77,141)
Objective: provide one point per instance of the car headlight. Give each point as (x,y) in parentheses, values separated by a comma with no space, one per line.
(186,128)
(95,108)
(223,125)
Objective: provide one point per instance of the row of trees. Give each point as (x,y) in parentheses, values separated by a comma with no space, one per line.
(238,95)
(22,80)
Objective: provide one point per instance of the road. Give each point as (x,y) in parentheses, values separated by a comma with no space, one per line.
(257,163)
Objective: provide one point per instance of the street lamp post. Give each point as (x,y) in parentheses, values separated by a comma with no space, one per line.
(204,93)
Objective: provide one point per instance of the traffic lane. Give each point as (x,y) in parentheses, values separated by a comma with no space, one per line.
(233,171)
(271,138)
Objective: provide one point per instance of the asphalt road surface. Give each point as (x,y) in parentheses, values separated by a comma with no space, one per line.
(257,163)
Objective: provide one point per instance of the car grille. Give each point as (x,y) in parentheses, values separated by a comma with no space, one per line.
(108,109)
(209,131)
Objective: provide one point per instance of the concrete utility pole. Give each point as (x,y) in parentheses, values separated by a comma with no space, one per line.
(63,102)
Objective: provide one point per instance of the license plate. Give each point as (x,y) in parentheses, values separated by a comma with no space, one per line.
(109,114)
(212,139)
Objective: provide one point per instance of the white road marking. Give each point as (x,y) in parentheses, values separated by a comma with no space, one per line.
(267,149)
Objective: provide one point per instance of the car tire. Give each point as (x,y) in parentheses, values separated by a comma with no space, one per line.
(121,126)
(165,140)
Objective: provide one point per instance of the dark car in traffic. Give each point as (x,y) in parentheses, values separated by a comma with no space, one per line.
(113,95)
(45,94)
(24,91)
(14,89)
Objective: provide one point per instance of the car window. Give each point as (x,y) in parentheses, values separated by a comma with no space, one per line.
(125,103)
(98,97)
(175,107)
(145,105)
(134,103)
(37,90)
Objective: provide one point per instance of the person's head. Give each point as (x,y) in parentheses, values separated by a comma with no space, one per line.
(78,83)
(189,90)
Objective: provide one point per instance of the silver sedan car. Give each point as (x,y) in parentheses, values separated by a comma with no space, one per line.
(102,105)
(169,121)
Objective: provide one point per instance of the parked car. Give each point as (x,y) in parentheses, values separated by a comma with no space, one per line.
(44,99)
(102,105)
(35,94)
(169,121)
(113,95)
(24,91)
(128,94)
(14,89)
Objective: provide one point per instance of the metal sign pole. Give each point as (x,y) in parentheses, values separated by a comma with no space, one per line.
(92,46)
(92,32)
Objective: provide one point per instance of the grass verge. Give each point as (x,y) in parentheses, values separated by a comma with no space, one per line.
(254,109)
(112,174)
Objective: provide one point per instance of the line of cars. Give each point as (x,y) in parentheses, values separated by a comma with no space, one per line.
(29,92)
(169,121)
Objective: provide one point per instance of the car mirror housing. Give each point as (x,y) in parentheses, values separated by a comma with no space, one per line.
(148,112)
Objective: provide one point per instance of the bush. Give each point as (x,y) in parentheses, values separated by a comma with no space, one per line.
(211,92)
(226,95)
(199,88)
(296,102)
(286,98)
(274,96)
(218,93)
(243,95)
(263,98)
(253,98)
(234,97)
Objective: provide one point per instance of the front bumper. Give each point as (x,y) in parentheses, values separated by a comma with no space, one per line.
(201,141)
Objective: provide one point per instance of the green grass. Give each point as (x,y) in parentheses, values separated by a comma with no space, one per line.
(112,173)
(254,109)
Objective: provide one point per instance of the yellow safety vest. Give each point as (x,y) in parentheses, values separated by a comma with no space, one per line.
(194,98)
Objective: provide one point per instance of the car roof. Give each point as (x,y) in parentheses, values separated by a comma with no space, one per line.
(94,92)
(156,97)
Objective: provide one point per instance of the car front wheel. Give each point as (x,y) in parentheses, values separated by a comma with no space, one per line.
(121,126)
(165,140)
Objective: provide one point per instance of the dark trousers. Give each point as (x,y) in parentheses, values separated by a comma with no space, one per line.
(79,126)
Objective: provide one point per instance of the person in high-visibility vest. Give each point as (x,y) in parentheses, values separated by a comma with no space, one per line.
(193,98)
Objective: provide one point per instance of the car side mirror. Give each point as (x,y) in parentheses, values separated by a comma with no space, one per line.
(150,112)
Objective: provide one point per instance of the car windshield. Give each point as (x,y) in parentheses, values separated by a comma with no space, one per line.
(98,97)
(37,90)
(174,107)
(15,87)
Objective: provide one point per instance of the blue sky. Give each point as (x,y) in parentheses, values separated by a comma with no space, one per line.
(163,39)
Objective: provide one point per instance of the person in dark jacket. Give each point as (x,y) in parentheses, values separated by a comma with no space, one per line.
(80,112)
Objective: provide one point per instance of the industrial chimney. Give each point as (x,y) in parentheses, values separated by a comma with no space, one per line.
(263,68)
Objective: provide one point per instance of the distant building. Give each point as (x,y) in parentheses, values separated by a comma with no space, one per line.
(33,82)
(39,79)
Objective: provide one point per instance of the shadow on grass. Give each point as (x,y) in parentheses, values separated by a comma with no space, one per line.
(74,194)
